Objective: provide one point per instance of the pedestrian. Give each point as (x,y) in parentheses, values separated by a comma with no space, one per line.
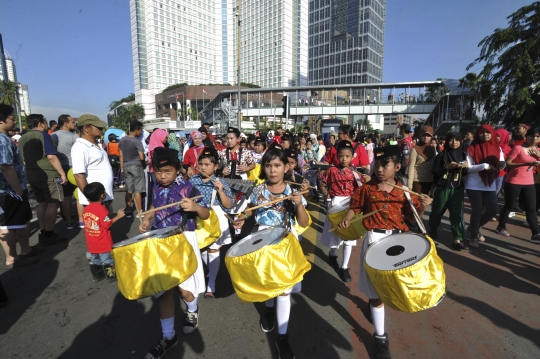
(170,188)
(132,164)
(15,220)
(469,136)
(520,183)
(191,163)
(419,170)
(377,195)
(480,186)
(45,175)
(53,125)
(158,138)
(503,137)
(64,139)
(207,142)
(519,137)
(97,232)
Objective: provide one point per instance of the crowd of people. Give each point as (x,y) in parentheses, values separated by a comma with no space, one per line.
(346,170)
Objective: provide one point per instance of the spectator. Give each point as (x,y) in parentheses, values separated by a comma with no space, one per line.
(322,148)
(191,163)
(306,130)
(205,138)
(158,138)
(63,140)
(132,164)
(419,170)
(90,161)
(520,183)
(175,144)
(45,175)
(113,152)
(369,148)
(518,138)
(210,136)
(52,127)
(14,222)
(286,142)
(469,136)
(503,137)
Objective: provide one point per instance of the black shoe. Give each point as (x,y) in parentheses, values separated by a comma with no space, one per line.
(51,240)
(283,347)
(332,260)
(192,321)
(129,214)
(267,320)
(458,246)
(97,272)
(345,275)
(110,272)
(161,348)
(382,346)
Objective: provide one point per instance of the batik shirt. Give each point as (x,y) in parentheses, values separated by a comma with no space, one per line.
(339,181)
(246,159)
(172,216)
(206,188)
(274,214)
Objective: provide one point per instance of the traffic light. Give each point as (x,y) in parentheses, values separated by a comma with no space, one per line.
(285,106)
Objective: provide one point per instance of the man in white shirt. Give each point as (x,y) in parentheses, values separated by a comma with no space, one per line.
(89,159)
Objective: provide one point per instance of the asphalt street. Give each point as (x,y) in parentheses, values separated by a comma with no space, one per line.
(491,308)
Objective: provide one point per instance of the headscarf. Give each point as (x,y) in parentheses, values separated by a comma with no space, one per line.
(504,144)
(156,140)
(453,155)
(425,150)
(174,144)
(485,152)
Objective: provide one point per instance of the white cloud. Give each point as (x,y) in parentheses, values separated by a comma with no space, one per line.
(52,113)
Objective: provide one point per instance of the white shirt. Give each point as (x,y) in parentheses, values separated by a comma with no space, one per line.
(473,180)
(93,161)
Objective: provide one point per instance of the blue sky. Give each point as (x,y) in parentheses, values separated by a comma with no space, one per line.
(76,58)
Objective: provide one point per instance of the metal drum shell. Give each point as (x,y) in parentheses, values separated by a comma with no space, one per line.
(147,265)
(414,288)
(268,271)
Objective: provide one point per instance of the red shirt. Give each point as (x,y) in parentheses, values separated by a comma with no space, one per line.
(360,156)
(517,142)
(277,139)
(394,205)
(96,228)
(191,158)
(339,181)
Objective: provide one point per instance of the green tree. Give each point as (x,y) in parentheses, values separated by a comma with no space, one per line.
(367,125)
(434,93)
(509,82)
(8,93)
(126,114)
(114,104)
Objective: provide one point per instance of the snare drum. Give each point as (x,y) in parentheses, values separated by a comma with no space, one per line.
(355,230)
(153,262)
(265,264)
(406,272)
(208,230)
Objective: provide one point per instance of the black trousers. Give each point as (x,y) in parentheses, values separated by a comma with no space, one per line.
(527,193)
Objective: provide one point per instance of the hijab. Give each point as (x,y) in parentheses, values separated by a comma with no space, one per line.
(425,149)
(485,152)
(193,135)
(174,144)
(453,155)
(156,140)
(505,140)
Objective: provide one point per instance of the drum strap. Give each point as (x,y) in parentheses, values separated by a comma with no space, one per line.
(415,213)
(357,177)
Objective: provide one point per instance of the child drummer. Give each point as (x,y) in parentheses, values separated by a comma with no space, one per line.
(218,195)
(372,196)
(274,166)
(341,181)
(170,188)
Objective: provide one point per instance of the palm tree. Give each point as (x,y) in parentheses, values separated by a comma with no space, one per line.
(136,112)
(8,93)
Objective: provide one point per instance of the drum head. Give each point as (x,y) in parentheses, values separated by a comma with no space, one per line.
(257,240)
(158,233)
(397,251)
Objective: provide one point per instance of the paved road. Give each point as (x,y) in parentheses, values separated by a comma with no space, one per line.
(490,311)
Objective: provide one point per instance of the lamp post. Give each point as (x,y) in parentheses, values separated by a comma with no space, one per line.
(238,100)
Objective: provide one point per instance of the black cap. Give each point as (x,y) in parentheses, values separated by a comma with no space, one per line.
(386,151)
(210,151)
(345,144)
(291,154)
(234,130)
(202,129)
(275,146)
(259,139)
(164,157)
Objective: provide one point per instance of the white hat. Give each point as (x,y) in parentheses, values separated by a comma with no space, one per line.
(271,133)
(313,136)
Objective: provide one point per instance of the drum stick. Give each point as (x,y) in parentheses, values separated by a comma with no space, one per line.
(272,202)
(167,206)
(358,219)
(404,189)
(299,184)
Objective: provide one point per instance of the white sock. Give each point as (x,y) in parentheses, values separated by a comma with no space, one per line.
(167,327)
(333,252)
(283,311)
(213,269)
(270,303)
(204,257)
(192,306)
(377,314)
(347,250)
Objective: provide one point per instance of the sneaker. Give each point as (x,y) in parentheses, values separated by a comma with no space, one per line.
(52,240)
(129,214)
(536,238)
(267,320)
(473,243)
(192,321)
(122,185)
(161,348)
(283,347)
(458,246)
(81,224)
(502,232)
(71,225)
(494,219)
(382,346)
(332,260)
(345,275)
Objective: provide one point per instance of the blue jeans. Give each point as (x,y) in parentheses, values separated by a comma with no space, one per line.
(480,200)
(102,258)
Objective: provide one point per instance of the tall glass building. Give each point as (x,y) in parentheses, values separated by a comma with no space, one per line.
(346,41)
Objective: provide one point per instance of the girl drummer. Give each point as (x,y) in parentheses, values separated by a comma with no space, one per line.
(341,181)
(275,164)
(170,188)
(212,188)
(376,195)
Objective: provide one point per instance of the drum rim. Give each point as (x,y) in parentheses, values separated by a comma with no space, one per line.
(280,238)
(164,232)
(431,247)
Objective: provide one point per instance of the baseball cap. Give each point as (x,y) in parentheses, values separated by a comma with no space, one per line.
(88,119)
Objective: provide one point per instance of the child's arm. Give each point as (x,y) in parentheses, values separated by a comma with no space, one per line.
(146,220)
(121,213)
(190,205)
(301,212)
(223,197)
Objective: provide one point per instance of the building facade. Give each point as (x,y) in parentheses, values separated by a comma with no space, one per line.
(24,99)
(346,41)
(10,65)
(393,121)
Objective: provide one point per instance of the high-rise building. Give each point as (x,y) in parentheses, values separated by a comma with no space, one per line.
(3,66)
(10,65)
(24,99)
(346,41)
(194,42)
